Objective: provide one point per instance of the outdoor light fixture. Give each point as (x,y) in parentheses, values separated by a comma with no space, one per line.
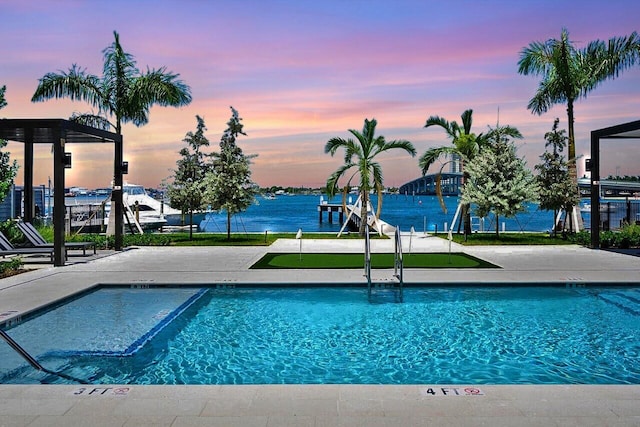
(67,160)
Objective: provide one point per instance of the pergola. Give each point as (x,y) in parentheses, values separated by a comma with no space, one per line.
(629,130)
(58,133)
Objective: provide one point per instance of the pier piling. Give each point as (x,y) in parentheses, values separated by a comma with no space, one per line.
(330,209)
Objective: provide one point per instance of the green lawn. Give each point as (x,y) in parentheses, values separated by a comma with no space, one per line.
(507,238)
(378,260)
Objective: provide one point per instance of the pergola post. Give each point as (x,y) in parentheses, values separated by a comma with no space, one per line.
(116,193)
(595,190)
(27,190)
(59,211)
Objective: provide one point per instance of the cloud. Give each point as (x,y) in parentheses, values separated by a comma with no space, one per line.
(300,73)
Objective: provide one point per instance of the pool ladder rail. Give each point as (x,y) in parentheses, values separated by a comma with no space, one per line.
(33,362)
(398,264)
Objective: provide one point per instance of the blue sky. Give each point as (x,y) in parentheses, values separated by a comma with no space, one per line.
(300,73)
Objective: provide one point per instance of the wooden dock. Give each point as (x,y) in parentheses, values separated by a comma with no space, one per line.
(330,209)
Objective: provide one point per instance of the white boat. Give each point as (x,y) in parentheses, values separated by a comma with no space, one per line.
(586,207)
(153,213)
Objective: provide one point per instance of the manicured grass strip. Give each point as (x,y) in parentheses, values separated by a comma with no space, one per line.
(378,260)
(507,238)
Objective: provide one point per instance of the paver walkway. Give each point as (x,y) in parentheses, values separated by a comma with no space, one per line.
(327,405)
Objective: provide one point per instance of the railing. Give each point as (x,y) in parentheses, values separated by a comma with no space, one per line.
(398,265)
(367,258)
(33,362)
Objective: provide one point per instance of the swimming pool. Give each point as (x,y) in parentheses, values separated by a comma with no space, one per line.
(336,335)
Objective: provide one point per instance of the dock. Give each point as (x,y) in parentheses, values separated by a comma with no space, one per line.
(353,219)
(330,209)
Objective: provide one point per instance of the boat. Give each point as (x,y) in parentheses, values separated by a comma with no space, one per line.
(586,207)
(153,213)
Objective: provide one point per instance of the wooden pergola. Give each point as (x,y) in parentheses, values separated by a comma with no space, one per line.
(58,133)
(629,130)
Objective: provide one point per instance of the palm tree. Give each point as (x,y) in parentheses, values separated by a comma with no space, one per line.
(359,157)
(466,145)
(123,92)
(569,74)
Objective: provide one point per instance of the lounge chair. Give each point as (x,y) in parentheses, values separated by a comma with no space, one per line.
(36,239)
(6,248)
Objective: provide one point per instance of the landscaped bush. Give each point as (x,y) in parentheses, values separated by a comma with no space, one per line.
(627,237)
(582,238)
(10,267)
(10,229)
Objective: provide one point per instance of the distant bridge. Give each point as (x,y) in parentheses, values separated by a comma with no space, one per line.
(610,188)
(450,182)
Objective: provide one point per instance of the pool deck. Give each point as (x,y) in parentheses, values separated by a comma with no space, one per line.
(316,405)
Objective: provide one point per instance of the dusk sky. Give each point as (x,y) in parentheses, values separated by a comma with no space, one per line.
(301,72)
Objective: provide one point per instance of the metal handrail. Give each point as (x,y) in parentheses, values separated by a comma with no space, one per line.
(367,258)
(398,265)
(33,362)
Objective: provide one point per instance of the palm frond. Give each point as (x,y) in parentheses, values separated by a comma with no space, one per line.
(401,144)
(162,87)
(75,84)
(467,120)
(118,65)
(334,144)
(433,154)
(443,123)
(92,120)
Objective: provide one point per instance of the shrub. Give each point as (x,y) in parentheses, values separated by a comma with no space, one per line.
(10,267)
(627,237)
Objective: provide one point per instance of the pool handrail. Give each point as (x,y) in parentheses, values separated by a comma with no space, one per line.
(398,264)
(33,362)
(367,258)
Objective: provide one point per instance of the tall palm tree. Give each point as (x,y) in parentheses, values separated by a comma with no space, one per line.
(569,74)
(123,92)
(465,146)
(359,158)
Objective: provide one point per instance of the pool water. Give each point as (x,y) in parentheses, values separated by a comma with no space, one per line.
(450,335)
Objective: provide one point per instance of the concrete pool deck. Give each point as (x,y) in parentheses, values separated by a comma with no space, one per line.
(318,405)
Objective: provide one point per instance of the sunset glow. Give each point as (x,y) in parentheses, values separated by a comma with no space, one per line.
(300,73)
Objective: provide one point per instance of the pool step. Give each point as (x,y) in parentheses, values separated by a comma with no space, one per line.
(628,301)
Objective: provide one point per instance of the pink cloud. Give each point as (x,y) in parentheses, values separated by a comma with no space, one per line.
(300,73)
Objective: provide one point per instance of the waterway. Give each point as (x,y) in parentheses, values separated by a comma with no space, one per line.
(423,213)
(289,213)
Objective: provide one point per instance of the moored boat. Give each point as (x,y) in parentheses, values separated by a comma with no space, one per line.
(153,213)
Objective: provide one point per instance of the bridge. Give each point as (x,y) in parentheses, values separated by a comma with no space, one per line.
(610,188)
(450,182)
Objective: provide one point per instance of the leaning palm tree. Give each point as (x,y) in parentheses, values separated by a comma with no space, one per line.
(359,160)
(123,92)
(465,146)
(569,74)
